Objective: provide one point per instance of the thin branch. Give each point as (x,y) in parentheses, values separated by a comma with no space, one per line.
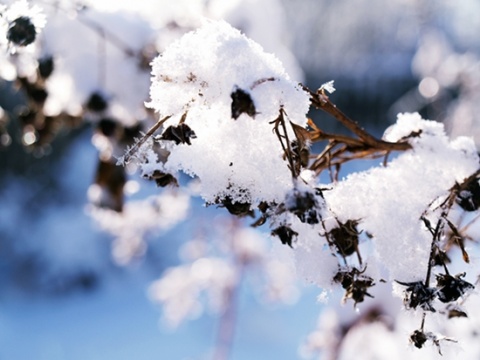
(280,120)
(321,101)
(138,144)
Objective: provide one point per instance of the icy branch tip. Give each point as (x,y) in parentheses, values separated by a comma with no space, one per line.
(328,86)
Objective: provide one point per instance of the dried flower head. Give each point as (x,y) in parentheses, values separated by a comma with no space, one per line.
(468,194)
(180,134)
(21,31)
(450,288)
(242,103)
(418,338)
(355,283)
(24,23)
(345,238)
(162,179)
(305,204)
(418,294)
(237,208)
(285,233)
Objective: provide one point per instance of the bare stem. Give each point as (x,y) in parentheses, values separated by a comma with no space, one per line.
(364,146)
(322,102)
(226,328)
(436,236)
(149,133)
(286,148)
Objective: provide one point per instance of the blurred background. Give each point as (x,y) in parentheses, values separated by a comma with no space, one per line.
(80,246)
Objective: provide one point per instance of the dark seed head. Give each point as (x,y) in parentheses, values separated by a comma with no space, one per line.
(45,66)
(468,195)
(242,103)
(345,237)
(22,31)
(417,294)
(450,288)
(37,94)
(162,179)
(180,134)
(356,284)
(97,102)
(107,126)
(418,338)
(305,205)
(236,207)
(285,234)
(452,313)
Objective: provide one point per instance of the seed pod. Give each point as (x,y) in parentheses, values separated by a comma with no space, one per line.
(468,194)
(263,207)
(21,31)
(285,234)
(450,288)
(345,238)
(97,102)
(456,312)
(107,126)
(162,179)
(242,103)
(111,178)
(45,66)
(356,284)
(305,205)
(418,338)
(236,207)
(417,294)
(180,134)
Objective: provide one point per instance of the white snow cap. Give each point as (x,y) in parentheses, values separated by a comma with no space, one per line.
(233,155)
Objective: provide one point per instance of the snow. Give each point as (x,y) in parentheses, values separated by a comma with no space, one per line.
(197,77)
(390,207)
(233,97)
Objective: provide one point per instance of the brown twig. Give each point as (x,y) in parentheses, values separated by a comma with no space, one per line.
(280,121)
(321,101)
(343,148)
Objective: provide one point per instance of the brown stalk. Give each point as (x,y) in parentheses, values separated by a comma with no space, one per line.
(321,101)
(280,121)
(342,148)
